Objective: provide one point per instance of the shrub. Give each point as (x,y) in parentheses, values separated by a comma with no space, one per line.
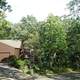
(18,63)
(12,61)
(22,65)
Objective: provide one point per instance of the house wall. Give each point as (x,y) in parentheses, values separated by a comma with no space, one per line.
(6,48)
(17,51)
(6,51)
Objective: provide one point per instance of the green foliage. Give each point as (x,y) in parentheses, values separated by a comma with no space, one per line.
(55,42)
(74,43)
(12,61)
(5,27)
(74,36)
(4,5)
(74,7)
(22,65)
(52,44)
(18,63)
(25,31)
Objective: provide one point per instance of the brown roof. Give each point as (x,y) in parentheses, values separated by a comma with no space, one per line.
(12,43)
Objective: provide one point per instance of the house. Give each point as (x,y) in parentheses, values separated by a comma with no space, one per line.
(9,48)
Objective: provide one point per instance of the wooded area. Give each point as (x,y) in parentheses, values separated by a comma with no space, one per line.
(55,41)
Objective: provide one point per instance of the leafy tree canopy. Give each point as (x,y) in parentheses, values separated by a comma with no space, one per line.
(4,5)
(74,7)
(5,27)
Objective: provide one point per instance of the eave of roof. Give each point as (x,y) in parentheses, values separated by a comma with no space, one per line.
(12,43)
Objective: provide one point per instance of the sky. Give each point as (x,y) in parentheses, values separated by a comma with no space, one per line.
(38,8)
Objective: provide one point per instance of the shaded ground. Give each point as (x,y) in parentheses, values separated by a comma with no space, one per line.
(9,73)
(66,76)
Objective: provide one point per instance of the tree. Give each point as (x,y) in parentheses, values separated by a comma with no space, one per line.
(4,5)
(5,27)
(52,38)
(26,31)
(74,7)
(74,43)
(73,35)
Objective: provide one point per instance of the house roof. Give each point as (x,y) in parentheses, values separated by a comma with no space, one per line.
(12,43)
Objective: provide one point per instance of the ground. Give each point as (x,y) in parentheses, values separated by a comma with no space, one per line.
(9,73)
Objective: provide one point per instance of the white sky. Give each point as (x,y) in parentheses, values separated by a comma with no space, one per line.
(38,8)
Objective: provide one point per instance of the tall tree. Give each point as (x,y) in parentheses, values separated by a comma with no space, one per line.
(26,31)
(4,5)
(74,7)
(74,43)
(5,27)
(52,38)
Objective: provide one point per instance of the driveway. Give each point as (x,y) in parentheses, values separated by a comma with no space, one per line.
(9,73)
(67,76)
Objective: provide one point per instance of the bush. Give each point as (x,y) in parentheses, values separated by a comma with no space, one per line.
(12,61)
(22,65)
(18,63)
